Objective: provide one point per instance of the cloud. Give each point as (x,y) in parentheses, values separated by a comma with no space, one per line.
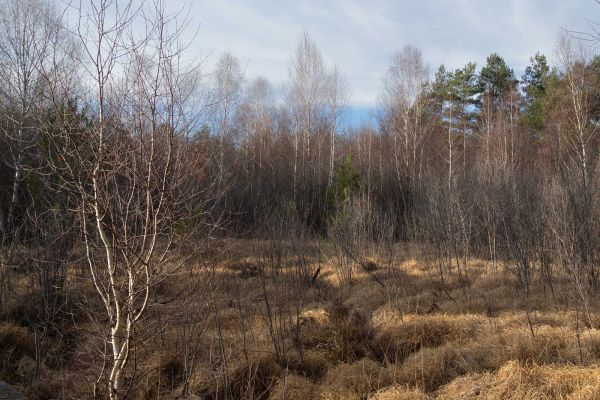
(360,37)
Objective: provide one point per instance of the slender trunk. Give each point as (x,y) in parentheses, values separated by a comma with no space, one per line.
(12,220)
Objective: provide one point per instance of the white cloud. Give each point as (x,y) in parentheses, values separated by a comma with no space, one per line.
(360,36)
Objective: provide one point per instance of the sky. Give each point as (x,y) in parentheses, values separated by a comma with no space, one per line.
(359,37)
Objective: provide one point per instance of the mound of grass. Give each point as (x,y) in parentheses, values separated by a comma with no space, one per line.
(433,367)
(370,265)
(400,393)
(340,331)
(430,368)
(16,344)
(293,387)
(251,380)
(314,364)
(354,381)
(518,381)
(396,337)
(166,373)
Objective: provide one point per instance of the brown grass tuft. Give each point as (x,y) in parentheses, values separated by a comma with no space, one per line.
(354,381)
(314,364)
(400,393)
(430,368)
(245,270)
(396,336)
(164,373)
(293,387)
(16,347)
(341,332)
(370,265)
(517,381)
(249,381)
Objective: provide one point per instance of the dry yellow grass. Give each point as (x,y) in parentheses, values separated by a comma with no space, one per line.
(313,364)
(340,331)
(245,381)
(431,368)
(399,336)
(364,341)
(358,344)
(400,393)
(517,381)
(293,387)
(316,329)
(354,381)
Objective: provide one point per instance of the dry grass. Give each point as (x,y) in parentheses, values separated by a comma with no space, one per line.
(356,342)
(313,363)
(250,380)
(354,381)
(164,375)
(293,387)
(400,393)
(517,381)
(339,331)
(17,348)
(431,368)
(399,336)
(364,341)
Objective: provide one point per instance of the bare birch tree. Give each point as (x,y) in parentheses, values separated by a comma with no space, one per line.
(305,97)
(227,98)
(27,31)
(404,109)
(127,165)
(337,93)
(576,139)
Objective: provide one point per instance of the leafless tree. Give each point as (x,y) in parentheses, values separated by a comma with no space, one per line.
(403,103)
(306,99)
(337,93)
(29,32)
(227,97)
(128,168)
(575,145)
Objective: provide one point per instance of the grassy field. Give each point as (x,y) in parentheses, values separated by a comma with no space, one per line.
(396,332)
(257,321)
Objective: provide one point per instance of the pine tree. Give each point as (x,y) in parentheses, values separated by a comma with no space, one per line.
(535,82)
(496,79)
